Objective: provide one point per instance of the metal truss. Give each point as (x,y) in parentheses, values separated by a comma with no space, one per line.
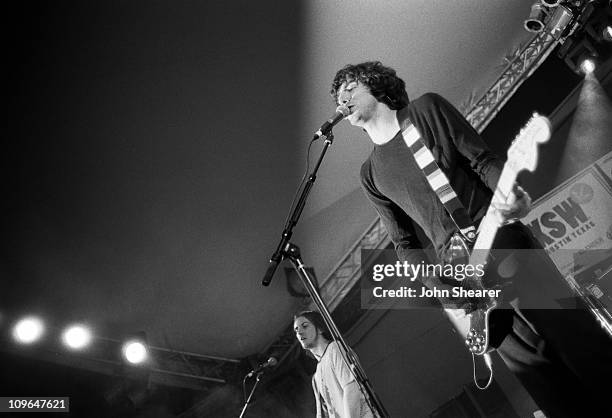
(524,62)
(519,69)
(166,367)
(197,371)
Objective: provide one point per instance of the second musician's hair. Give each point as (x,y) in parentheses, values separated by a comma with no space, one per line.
(317,320)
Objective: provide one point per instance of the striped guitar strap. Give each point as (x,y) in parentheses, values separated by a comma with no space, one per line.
(437,180)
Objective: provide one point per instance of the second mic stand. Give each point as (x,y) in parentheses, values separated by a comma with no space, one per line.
(248,400)
(286,249)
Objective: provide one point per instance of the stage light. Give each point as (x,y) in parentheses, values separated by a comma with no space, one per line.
(28,330)
(535,22)
(135,351)
(588,64)
(76,337)
(559,21)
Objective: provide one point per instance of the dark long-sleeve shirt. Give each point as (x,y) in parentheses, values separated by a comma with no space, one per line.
(399,190)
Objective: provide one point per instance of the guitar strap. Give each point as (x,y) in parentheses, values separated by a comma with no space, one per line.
(441,186)
(437,179)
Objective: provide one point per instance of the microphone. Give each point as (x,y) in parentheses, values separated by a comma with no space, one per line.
(270,271)
(271,362)
(341,113)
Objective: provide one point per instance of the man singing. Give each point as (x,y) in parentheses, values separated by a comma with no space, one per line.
(559,355)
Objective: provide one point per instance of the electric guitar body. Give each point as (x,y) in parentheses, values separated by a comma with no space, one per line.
(473,323)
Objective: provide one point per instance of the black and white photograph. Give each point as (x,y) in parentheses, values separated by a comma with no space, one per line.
(307,208)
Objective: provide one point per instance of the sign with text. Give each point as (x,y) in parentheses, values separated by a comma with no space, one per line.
(574,216)
(577,216)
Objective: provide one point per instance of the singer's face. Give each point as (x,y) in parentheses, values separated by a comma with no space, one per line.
(357,97)
(306,333)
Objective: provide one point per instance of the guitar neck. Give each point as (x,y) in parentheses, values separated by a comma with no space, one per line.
(490,223)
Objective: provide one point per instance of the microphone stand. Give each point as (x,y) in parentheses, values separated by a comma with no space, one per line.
(278,255)
(246,403)
(286,249)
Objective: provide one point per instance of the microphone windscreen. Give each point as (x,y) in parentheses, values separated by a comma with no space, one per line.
(344,110)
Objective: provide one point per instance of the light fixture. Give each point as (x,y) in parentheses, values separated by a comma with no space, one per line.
(588,64)
(76,337)
(535,22)
(28,330)
(135,351)
(559,21)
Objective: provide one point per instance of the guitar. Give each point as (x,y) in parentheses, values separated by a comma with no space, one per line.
(473,326)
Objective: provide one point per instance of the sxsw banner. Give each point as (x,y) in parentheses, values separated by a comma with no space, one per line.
(577,216)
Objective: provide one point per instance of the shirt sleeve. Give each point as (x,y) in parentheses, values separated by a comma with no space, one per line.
(484,162)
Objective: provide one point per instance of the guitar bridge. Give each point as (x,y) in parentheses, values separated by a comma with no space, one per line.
(476,341)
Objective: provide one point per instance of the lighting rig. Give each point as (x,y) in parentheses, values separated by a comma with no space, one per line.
(77,345)
(583,28)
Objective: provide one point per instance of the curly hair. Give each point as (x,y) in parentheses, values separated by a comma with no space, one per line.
(317,320)
(383,82)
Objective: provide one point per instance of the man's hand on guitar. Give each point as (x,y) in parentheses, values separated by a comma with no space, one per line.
(516,207)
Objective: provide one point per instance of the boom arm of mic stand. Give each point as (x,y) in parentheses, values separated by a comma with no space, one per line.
(279,254)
